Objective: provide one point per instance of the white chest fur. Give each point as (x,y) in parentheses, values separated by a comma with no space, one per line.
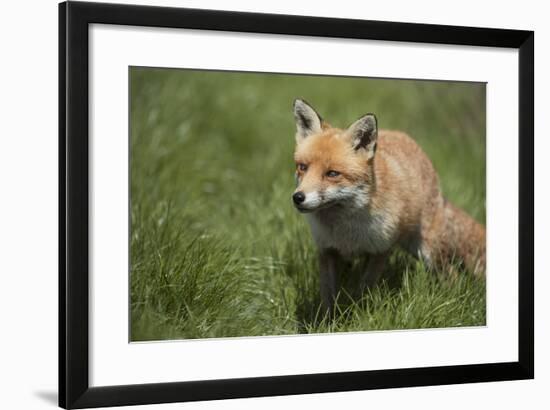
(352,231)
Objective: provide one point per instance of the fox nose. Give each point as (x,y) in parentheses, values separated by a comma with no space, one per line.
(298,197)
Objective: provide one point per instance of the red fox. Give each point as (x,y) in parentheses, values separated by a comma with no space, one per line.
(365,191)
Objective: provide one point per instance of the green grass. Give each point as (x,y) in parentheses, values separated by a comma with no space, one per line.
(217,249)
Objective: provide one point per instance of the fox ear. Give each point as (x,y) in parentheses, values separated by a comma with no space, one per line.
(308,122)
(364,133)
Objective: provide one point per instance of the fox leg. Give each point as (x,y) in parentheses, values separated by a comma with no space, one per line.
(328,266)
(375,267)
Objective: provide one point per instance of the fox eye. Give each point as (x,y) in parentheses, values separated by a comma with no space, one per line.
(332,174)
(302,167)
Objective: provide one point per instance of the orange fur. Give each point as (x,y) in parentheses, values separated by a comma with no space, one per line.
(366,191)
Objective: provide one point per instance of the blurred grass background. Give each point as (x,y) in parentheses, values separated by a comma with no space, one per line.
(217,249)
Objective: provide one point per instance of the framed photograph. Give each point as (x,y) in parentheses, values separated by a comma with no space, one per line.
(256,204)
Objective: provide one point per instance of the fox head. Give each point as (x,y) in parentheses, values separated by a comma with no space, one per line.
(333,166)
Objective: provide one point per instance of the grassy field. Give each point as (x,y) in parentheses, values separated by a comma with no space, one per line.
(217,248)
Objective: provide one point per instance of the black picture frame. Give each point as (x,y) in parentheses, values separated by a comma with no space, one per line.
(74,21)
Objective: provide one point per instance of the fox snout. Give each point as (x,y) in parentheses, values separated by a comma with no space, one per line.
(310,201)
(306,202)
(349,196)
